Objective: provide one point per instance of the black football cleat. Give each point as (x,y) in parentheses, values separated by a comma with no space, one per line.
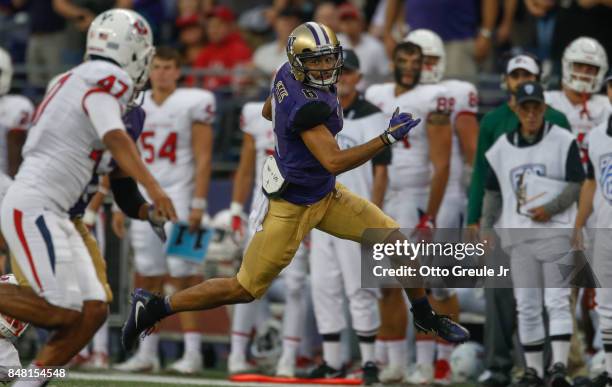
(558,376)
(323,371)
(370,374)
(145,311)
(442,326)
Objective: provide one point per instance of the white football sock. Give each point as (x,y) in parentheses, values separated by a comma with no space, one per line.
(382,356)
(239,345)
(398,352)
(425,352)
(535,360)
(193,344)
(148,346)
(100,339)
(560,351)
(332,354)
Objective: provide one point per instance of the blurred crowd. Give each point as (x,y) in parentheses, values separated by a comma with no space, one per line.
(232,47)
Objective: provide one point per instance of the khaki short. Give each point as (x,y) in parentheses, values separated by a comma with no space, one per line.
(341,213)
(96,257)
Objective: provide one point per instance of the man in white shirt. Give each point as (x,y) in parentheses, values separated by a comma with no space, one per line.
(371,52)
(268,57)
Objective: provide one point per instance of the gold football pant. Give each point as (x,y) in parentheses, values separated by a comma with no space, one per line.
(341,213)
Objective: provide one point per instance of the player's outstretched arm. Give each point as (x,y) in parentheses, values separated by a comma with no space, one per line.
(124,152)
(324,147)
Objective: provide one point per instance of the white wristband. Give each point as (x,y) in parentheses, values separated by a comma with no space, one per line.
(89,217)
(236,209)
(199,204)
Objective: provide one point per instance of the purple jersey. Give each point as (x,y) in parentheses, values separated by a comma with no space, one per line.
(134,121)
(300,107)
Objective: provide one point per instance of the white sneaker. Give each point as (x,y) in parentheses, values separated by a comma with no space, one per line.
(420,374)
(236,365)
(392,374)
(97,361)
(139,363)
(188,364)
(286,368)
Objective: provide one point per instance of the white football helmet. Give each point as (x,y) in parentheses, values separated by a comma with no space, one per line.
(467,362)
(589,51)
(125,37)
(6,72)
(10,328)
(431,45)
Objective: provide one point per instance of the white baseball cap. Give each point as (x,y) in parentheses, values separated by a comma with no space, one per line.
(523,62)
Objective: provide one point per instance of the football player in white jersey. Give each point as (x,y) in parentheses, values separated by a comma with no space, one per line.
(257,144)
(77,120)
(537,237)
(584,66)
(15,115)
(418,175)
(333,270)
(176,145)
(463,103)
(596,198)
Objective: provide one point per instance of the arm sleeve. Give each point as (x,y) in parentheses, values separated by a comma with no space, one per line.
(590,174)
(492,183)
(310,115)
(127,196)
(104,112)
(574,171)
(479,174)
(574,174)
(491,208)
(566,198)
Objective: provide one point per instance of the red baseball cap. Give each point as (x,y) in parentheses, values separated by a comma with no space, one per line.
(222,12)
(187,21)
(349,11)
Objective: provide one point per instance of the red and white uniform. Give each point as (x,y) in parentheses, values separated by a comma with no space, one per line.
(582,118)
(166,148)
(462,99)
(60,155)
(410,170)
(15,114)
